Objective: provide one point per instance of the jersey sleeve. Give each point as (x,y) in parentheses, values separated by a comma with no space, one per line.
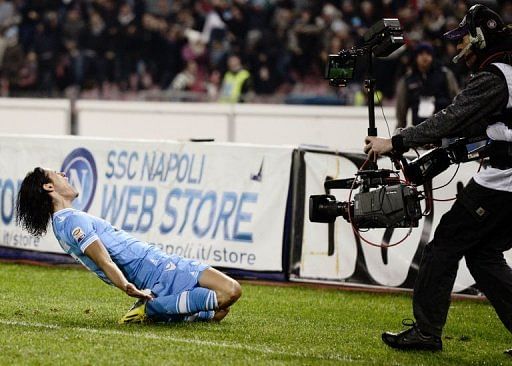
(80,231)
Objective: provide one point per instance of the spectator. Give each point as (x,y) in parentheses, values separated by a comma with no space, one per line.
(73,25)
(213,85)
(307,33)
(214,25)
(27,75)
(3,46)
(186,79)
(425,89)
(236,83)
(83,43)
(94,44)
(46,46)
(12,59)
(129,44)
(265,80)
(6,14)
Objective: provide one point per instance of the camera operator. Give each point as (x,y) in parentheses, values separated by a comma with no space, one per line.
(478,224)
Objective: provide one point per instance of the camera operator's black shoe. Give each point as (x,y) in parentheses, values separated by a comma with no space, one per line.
(412,339)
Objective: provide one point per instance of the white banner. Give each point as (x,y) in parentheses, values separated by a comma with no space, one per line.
(222,204)
(395,266)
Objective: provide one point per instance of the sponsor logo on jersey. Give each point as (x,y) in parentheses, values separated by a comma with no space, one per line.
(78,234)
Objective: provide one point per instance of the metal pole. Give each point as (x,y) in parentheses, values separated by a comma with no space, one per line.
(370,87)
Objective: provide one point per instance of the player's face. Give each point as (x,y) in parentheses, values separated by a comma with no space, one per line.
(61,184)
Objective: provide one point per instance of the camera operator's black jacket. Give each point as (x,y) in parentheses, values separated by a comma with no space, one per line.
(480,104)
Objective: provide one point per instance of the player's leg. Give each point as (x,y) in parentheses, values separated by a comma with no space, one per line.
(228,290)
(189,291)
(176,295)
(193,289)
(187,302)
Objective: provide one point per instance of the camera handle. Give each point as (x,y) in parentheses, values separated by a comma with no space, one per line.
(369,84)
(370,88)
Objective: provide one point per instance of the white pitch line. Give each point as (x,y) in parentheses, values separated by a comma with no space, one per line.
(253,348)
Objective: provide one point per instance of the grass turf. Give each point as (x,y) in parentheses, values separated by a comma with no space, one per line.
(67,316)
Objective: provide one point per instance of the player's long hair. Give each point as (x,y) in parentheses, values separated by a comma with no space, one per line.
(34,205)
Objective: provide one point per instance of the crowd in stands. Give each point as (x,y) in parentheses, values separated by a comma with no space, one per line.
(179,49)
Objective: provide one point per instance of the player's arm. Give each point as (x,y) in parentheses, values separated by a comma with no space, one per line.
(97,252)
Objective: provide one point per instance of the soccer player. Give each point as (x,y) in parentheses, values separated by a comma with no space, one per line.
(176,289)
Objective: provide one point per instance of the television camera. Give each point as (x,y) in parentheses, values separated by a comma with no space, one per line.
(384,200)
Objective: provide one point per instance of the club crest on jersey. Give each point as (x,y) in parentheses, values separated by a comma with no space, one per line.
(78,234)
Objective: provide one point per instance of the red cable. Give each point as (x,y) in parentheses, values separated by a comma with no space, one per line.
(444,199)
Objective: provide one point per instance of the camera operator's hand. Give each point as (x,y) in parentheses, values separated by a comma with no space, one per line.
(376,146)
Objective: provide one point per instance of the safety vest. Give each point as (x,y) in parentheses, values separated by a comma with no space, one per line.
(232,84)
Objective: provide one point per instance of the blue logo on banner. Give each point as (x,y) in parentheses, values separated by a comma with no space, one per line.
(80,168)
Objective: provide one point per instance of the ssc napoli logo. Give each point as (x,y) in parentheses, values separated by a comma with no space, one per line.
(80,168)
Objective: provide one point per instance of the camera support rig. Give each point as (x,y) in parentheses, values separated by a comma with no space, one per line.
(390,203)
(382,39)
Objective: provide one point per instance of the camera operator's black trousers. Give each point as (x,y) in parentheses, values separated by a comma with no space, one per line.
(479,228)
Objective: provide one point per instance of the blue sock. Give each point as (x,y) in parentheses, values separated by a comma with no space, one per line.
(186,302)
(205,315)
(202,316)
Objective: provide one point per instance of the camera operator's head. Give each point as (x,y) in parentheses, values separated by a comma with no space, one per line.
(480,35)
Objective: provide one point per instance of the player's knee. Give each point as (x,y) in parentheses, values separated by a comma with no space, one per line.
(236,291)
(230,294)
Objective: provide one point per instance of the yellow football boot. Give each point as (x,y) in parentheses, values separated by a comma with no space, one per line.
(137,314)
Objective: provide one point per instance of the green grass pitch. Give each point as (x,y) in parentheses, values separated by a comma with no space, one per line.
(66,316)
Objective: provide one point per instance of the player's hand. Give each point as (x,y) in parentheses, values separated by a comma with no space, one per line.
(133,291)
(377,146)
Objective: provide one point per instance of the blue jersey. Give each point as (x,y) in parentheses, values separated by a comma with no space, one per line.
(140,262)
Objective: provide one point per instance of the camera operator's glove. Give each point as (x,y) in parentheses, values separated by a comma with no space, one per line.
(499,132)
(398,144)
